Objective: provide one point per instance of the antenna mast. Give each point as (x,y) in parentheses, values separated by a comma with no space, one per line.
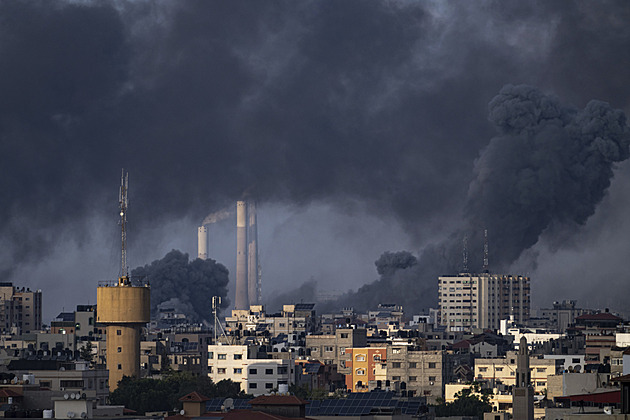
(122,200)
(216,302)
(465,255)
(485,251)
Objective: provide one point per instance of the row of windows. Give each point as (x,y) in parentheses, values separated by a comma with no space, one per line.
(223,356)
(282,370)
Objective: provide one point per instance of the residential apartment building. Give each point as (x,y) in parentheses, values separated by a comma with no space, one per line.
(331,348)
(503,371)
(366,364)
(20,309)
(241,364)
(419,372)
(470,301)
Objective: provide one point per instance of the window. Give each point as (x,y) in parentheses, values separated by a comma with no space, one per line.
(540,384)
(269,385)
(328,348)
(119,349)
(210,355)
(413,365)
(431,365)
(45,384)
(344,335)
(377,357)
(282,324)
(118,332)
(431,378)
(253,371)
(360,358)
(238,370)
(541,369)
(360,371)
(221,371)
(238,357)
(499,369)
(483,369)
(396,365)
(395,378)
(575,360)
(342,350)
(119,366)
(253,386)
(282,370)
(413,378)
(268,371)
(396,350)
(209,369)
(221,356)
(71,384)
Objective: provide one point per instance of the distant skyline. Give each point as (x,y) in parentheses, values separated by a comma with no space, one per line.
(357,126)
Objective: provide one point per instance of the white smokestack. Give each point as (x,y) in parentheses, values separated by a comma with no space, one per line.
(242,299)
(252,254)
(202,242)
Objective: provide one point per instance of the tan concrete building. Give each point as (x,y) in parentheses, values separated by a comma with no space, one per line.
(331,348)
(503,371)
(20,309)
(470,301)
(421,372)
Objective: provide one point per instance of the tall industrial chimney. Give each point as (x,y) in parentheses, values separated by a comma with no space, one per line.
(202,243)
(242,299)
(252,254)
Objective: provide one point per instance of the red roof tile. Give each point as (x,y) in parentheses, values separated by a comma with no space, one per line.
(602,316)
(9,393)
(194,396)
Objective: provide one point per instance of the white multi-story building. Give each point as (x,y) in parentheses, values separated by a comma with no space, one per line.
(470,301)
(241,364)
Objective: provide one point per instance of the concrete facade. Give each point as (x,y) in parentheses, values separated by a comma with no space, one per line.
(470,301)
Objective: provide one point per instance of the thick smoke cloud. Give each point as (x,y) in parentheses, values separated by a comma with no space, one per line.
(549,168)
(550,165)
(185,285)
(377,103)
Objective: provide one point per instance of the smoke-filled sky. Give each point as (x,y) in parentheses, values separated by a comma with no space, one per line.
(360,128)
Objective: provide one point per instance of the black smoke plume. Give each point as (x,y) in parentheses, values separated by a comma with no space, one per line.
(187,286)
(381,103)
(548,169)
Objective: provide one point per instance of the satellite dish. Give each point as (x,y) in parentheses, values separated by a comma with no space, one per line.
(84,415)
(228,403)
(182,412)
(83,396)
(71,414)
(66,396)
(72,396)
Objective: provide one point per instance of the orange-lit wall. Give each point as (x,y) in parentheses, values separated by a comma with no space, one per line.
(363,365)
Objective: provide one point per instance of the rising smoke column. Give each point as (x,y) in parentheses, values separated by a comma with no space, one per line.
(548,168)
(186,285)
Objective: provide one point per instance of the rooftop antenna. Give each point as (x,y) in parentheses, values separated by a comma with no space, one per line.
(124,203)
(485,251)
(465,255)
(216,302)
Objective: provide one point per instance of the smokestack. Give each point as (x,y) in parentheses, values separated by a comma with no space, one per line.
(252,254)
(242,299)
(202,242)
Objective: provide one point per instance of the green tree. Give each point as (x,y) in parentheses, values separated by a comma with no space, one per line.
(468,402)
(146,394)
(85,352)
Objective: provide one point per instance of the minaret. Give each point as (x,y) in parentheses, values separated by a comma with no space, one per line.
(523,392)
